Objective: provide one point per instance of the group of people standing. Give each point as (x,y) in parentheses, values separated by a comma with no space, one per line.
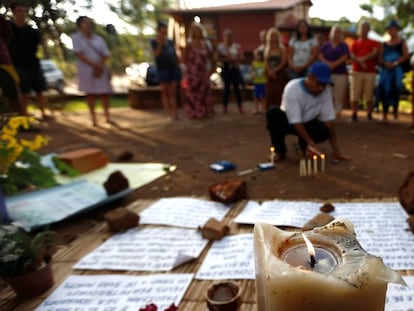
(368,59)
(21,72)
(311,103)
(276,62)
(20,69)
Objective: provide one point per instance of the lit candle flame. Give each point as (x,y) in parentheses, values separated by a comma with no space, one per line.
(322,156)
(311,251)
(272,149)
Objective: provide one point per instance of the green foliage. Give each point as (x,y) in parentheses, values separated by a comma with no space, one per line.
(402,10)
(21,253)
(27,172)
(142,13)
(64,168)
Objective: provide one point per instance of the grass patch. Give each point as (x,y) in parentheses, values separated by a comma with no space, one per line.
(80,104)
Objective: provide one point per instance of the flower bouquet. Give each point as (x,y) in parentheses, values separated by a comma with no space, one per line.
(20,165)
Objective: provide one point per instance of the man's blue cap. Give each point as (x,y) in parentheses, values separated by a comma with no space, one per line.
(321,72)
(393,24)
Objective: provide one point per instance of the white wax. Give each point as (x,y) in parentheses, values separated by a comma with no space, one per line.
(322,162)
(302,167)
(358,282)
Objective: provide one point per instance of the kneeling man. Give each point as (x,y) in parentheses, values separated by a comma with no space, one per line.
(306,111)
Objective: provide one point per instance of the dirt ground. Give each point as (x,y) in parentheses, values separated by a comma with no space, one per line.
(382,154)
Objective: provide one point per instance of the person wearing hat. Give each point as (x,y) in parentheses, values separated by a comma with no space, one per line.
(307,112)
(392,54)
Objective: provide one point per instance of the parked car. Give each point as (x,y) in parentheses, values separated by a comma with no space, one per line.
(55,79)
(137,73)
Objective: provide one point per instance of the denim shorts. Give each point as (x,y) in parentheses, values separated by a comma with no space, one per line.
(169,75)
(259,90)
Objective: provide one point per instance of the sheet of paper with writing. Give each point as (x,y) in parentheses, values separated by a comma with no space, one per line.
(230,258)
(149,249)
(283,213)
(182,212)
(382,230)
(399,297)
(117,292)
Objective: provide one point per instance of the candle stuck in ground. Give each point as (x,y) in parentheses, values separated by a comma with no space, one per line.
(322,162)
(302,167)
(272,154)
(315,164)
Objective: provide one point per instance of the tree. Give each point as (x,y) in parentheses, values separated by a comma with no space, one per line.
(48,16)
(141,13)
(403,10)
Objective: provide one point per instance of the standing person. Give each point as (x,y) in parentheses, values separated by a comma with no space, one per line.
(94,78)
(9,78)
(262,38)
(230,54)
(302,50)
(335,53)
(169,73)
(23,49)
(276,60)
(412,93)
(307,112)
(198,59)
(364,52)
(391,55)
(258,69)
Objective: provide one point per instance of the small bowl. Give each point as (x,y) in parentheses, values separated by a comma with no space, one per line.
(223,296)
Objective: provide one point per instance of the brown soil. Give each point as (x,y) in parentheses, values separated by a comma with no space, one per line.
(382,154)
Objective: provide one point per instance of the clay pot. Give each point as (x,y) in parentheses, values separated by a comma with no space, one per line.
(223,296)
(33,283)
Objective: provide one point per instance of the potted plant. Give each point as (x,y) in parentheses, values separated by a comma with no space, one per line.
(25,260)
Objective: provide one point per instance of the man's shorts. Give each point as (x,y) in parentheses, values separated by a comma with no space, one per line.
(362,86)
(8,85)
(31,79)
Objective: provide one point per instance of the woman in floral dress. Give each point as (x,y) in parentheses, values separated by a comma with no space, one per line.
(198,60)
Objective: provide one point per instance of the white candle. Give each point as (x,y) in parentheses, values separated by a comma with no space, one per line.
(315,164)
(322,162)
(272,154)
(302,167)
(309,166)
(344,277)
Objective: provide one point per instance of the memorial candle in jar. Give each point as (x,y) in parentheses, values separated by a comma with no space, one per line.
(342,276)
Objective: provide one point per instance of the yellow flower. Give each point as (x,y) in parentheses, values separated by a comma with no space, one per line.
(16,122)
(7,130)
(35,144)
